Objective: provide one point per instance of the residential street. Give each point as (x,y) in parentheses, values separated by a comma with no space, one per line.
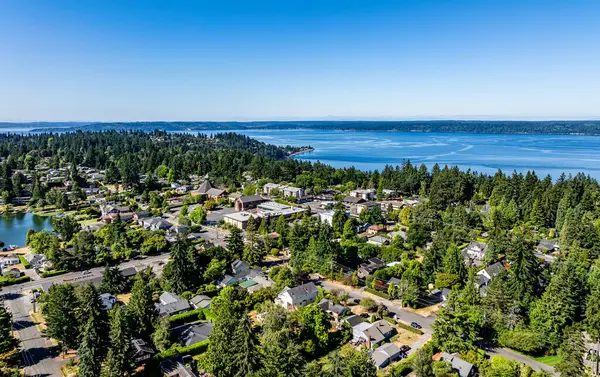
(512,355)
(38,355)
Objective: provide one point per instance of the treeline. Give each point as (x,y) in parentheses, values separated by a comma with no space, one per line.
(568,127)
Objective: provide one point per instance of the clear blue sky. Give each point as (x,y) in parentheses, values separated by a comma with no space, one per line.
(254,60)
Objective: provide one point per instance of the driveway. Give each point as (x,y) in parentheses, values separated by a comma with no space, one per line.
(38,353)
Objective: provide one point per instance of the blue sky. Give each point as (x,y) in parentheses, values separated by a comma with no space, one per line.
(255,60)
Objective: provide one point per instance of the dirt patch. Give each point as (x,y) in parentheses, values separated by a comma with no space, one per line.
(124,298)
(405,337)
(425,312)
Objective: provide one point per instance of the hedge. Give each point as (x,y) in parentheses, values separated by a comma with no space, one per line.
(177,350)
(24,262)
(378,293)
(11,280)
(47,274)
(191,316)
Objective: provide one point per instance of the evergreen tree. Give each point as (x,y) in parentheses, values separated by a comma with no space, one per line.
(537,215)
(113,281)
(60,314)
(177,274)
(572,351)
(454,262)
(141,309)
(90,351)
(118,362)
(7,341)
(161,335)
(245,358)
(235,243)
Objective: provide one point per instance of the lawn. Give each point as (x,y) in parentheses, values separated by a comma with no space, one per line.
(548,360)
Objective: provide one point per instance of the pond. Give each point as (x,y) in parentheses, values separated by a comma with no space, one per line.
(14,227)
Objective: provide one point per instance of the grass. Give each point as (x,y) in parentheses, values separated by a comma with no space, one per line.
(551,360)
(24,262)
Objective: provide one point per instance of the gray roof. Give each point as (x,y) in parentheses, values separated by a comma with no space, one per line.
(302,290)
(494,269)
(200,301)
(353,199)
(215,192)
(195,333)
(353,320)
(462,367)
(331,306)
(205,186)
(176,368)
(251,199)
(547,244)
(171,304)
(140,347)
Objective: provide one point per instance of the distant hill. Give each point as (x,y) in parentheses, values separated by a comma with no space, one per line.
(584,127)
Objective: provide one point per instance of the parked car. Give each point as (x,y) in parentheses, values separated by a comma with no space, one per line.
(404,348)
(416,325)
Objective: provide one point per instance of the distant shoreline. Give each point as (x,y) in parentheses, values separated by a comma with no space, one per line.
(302,151)
(571,128)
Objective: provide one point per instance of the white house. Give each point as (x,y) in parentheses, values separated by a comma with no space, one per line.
(293,298)
(9,260)
(327,217)
(368,194)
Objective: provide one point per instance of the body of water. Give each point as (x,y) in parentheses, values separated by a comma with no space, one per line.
(544,154)
(14,227)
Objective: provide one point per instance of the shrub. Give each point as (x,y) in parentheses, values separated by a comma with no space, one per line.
(177,350)
(11,280)
(378,293)
(368,303)
(191,316)
(47,274)
(526,341)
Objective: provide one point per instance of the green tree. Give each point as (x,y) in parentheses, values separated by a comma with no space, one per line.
(7,341)
(161,335)
(244,356)
(60,314)
(178,274)
(113,281)
(198,215)
(572,351)
(141,309)
(316,324)
(235,243)
(90,351)
(422,364)
(338,221)
(66,226)
(118,362)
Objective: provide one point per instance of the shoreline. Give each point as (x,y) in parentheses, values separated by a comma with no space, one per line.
(302,151)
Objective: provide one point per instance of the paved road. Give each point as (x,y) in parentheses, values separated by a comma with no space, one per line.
(37,352)
(512,355)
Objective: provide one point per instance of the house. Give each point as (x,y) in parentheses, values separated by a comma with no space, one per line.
(123,216)
(389,193)
(385,355)
(215,193)
(200,301)
(204,187)
(336,310)
(14,272)
(374,229)
(140,351)
(372,265)
(474,253)
(327,217)
(378,241)
(547,246)
(368,194)
(295,192)
(353,320)
(366,206)
(176,367)
(463,368)
(487,275)
(374,333)
(36,260)
(170,304)
(352,200)
(195,333)
(137,216)
(155,223)
(239,267)
(9,260)
(108,208)
(248,202)
(402,234)
(293,298)
(108,301)
(394,205)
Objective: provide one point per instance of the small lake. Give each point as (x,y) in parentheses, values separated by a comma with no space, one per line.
(14,227)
